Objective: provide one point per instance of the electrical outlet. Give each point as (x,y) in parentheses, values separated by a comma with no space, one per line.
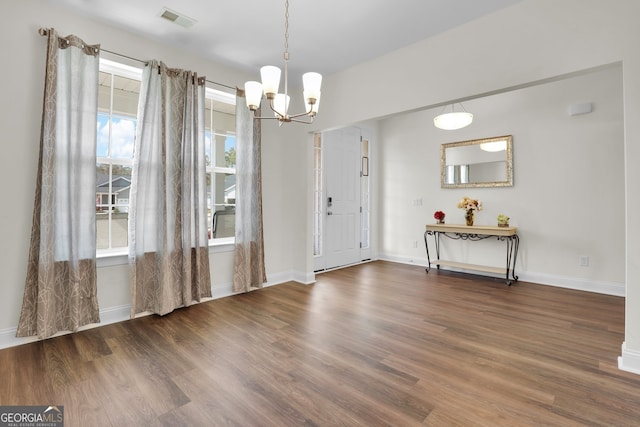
(584,261)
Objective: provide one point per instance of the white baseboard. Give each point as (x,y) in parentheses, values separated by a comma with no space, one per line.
(107,316)
(121,313)
(402,259)
(226,289)
(629,360)
(222,291)
(8,338)
(114,314)
(600,287)
(581,284)
(290,276)
(304,278)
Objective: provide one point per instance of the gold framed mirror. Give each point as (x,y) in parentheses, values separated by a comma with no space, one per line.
(486,162)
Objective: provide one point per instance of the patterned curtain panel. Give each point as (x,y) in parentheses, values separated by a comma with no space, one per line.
(248,270)
(60,289)
(168,247)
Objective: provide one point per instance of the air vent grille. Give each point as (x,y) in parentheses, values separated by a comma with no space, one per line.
(177,18)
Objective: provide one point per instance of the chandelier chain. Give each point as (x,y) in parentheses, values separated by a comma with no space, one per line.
(286,29)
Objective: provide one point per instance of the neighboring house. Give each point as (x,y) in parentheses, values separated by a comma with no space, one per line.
(230,189)
(230,195)
(119,193)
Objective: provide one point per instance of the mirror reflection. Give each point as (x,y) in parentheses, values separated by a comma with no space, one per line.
(483,162)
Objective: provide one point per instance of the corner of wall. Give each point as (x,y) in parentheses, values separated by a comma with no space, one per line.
(629,360)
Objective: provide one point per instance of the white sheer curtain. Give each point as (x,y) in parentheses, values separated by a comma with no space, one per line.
(249,270)
(168,237)
(60,288)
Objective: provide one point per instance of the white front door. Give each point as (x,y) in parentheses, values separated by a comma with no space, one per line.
(342,160)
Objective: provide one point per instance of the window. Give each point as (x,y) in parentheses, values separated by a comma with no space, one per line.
(118,94)
(318,195)
(220,137)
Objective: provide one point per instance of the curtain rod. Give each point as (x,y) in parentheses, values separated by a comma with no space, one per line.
(45,32)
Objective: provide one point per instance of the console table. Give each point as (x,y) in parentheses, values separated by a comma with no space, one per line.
(475,233)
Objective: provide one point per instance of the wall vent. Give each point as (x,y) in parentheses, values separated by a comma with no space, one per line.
(177,17)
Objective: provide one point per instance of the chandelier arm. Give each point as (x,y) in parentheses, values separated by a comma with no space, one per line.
(285,118)
(302,121)
(266,118)
(278,116)
(288,118)
(274,110)
(302,114)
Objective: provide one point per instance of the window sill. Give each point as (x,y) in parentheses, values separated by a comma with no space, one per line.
(224,244)
(108,258)
(121,257)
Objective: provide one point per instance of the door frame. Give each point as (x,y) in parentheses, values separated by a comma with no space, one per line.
(366,253)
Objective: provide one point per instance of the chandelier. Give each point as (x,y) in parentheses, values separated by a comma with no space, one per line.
(453,120)
(279,102)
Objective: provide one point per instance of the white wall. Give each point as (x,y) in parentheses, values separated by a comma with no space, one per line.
(22,86)
(531,41)
(567,198)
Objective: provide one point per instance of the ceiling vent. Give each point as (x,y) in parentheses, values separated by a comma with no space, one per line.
(177,18)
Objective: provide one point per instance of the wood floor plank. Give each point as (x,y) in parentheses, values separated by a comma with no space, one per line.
(24,378)
(84,403)
(370,345)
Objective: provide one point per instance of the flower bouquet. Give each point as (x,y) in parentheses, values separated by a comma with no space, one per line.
(439,216)
(469,206)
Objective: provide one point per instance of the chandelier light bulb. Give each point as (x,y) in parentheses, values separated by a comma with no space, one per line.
(311,83)
(253,93)
(270,76)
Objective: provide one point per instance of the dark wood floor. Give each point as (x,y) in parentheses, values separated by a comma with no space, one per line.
(375,344)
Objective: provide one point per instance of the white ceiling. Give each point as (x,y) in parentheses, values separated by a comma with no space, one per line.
(325,36)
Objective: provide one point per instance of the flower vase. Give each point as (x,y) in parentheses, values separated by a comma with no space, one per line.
(469,217)
(441,221)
